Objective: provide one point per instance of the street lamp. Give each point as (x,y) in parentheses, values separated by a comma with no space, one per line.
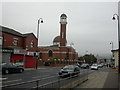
(40,20)
(114,18)
(112,51)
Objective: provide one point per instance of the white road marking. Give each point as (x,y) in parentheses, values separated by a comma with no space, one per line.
(45,76)
(12,81)
(3,78)
(48,77)
(40,76)
(36,77)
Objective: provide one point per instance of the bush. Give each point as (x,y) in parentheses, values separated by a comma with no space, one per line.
(52,62)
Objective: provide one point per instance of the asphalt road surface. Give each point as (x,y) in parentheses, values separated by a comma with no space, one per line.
(45,76)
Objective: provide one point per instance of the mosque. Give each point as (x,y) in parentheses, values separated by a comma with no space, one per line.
(59,51)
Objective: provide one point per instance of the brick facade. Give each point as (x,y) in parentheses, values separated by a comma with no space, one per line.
(20,48)
(27,42)
(23,40)
(8,40)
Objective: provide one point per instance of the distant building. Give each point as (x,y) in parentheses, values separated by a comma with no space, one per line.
(116,56)
(17,47)
(59,50)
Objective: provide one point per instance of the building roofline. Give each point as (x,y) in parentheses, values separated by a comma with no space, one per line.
(114,50)
(27,34)
(10,31)
(14,32)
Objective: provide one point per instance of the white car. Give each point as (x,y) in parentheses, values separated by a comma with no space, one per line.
(100,65)
(94,67)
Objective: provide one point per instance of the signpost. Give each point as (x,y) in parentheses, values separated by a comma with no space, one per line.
(36,58)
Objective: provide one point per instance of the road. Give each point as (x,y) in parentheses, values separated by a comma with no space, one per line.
(45,76)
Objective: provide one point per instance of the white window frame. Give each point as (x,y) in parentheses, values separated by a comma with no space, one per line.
(32,44)
(1,40)
(15,41)
(62,34)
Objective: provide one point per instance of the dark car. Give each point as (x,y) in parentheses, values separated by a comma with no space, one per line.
(47,63)
(11,68)
(69,70)
(85,66)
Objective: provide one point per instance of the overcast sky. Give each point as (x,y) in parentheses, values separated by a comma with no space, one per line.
(90,26)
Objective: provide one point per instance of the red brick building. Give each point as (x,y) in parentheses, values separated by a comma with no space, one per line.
(59,51)
(17,47)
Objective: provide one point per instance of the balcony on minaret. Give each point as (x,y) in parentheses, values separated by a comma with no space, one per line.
(63,19)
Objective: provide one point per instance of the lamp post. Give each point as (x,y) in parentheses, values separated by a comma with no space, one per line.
(112,52)
(114,18)
(40,20)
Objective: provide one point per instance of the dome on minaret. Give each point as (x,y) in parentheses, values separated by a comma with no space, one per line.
(56,40)
(63,15)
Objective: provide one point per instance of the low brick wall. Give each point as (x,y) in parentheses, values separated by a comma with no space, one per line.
(55,64)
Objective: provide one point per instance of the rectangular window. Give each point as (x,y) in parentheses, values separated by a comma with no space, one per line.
(1,40)
(62,34)
(40,55)
(15,41)
(32,44)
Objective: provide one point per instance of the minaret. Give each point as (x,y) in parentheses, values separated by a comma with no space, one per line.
(63,22)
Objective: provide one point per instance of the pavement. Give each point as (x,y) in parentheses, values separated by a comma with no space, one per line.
(104,78)
(40,68)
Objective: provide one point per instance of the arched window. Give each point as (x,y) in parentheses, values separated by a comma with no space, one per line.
(40,55)
(50,53)
(67,56)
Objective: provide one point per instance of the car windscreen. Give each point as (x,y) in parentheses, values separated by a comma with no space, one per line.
(94,65)
(84,65)
(4,64)
(68,68)
(8,65)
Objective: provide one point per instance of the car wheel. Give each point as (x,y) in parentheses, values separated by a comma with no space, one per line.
(21,70)
(6,71)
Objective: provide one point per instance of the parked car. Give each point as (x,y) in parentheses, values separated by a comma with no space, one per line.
(11,68)
(77,64)
(100,65)
(69,70)
(20,64)
(94,67)
(85,66)
(47,63)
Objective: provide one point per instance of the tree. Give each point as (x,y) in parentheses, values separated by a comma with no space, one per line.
(105,60)
(89,58)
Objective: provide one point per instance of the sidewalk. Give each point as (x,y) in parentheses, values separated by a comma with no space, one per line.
(40,68)
(107,78)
